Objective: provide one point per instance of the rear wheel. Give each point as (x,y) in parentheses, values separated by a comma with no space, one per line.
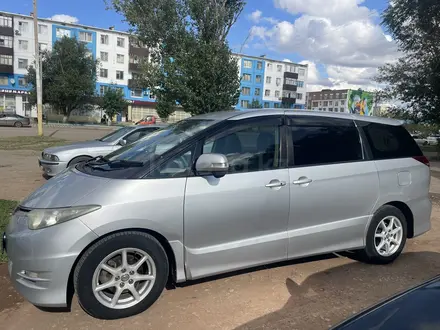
(386,236)
(121,275)
(18,124)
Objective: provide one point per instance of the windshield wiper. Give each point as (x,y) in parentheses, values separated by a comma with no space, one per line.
(121,163)
(97,160)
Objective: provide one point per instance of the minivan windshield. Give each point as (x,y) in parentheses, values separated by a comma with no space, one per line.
(116,135)
(158,142)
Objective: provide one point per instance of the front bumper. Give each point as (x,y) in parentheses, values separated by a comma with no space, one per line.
(40,261)
(51,168)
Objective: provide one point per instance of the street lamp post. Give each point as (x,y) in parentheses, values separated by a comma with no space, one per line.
(38,73)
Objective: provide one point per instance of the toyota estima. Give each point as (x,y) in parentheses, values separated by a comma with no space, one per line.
(213,194)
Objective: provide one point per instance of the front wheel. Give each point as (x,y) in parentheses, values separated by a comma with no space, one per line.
(18,124)
(386,236)
(121,275)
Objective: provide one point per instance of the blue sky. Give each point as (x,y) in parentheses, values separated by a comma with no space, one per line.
(341,40)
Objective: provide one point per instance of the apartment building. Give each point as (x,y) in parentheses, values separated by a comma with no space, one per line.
(273,84)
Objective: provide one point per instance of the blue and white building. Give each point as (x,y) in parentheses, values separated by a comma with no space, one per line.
(274,84)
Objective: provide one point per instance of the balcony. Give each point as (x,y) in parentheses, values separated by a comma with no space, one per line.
(6,51)
(291,88)
(291,75)
(138,51)
(6,31)
(288,100)
(4,68)
(133,84)
(133,66)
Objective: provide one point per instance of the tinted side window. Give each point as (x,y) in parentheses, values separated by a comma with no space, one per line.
(319,141)
(248,148)
(388,142)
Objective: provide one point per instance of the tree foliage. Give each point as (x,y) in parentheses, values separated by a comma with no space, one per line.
(255,104)
(191,64)
(113,102)
(415,77)
(68,76)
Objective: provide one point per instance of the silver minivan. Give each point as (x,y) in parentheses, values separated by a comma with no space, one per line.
(213,194)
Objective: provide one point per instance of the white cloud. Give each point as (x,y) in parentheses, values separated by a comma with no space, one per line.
(64,18)
(256,16)
(339,35)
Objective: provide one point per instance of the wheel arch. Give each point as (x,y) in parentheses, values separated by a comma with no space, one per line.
(409,216)
(74,158)
(172,277)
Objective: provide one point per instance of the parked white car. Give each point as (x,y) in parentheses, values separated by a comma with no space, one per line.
(433,140)
(420,140)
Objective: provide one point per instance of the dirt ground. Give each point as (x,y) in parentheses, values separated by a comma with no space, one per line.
(306,294)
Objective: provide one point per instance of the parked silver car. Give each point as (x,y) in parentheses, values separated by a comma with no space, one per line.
(55,160)
(213,194)
(12,119)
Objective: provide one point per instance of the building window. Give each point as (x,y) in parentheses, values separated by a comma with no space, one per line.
(246,77)
(259,65)
(301,72)
(266,105)
(330,109)
(300,83)
(344,96)
(290,81)
(42,46)
(299,96)
(246,91)
(278,82)
(342,102)
(268,80)
(22,82)
(247,64)
(104,56)
(277,93)
(120,42)
(3,79)
(103,89)
(244,104)
(330,102)
(60,33)
(6,60)
(85,36)
(269,66)
(336,103)
(23,27)
(103,73)
(42,29)
(104,39)
(279,68)
(257,92)
(136,92)
(120,75)
(6,21)
(258,79)
(120,58)
(337,95)
(6,41)
(22,63)
(315,104)
(326,103)
(276,105)
(341,110)
(290,68)
(267,92)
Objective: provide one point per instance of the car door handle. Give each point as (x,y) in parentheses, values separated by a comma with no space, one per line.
(302,181)
(275,184)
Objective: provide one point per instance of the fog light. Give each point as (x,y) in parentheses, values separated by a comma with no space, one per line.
(29,274)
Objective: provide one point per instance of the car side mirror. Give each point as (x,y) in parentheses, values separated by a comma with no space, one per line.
(122,142)
(212,164)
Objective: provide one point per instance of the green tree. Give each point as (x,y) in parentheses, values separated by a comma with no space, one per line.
(113,102)
(415,77)
(191,64)
(68,76)
(255,104)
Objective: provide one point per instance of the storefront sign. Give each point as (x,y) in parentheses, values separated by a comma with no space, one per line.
(14,91)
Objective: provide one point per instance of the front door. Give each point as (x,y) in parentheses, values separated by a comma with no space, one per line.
(239,220)
(333,190)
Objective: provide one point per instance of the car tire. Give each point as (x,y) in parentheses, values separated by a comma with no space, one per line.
(91,261)
(384,215)
(18,124)
(78,160)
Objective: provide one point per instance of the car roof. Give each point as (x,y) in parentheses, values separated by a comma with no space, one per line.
(243,114)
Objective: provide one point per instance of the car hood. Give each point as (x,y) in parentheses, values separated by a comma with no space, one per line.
(74,146)
(64,190)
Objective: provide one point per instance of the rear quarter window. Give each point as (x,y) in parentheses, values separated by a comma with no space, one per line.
(390,142)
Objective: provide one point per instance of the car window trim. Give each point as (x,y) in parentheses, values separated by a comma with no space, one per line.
(290,150)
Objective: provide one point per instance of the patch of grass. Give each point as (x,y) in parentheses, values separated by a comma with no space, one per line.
(6,208)
(36,143)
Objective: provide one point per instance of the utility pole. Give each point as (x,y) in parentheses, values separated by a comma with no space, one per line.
(38,73)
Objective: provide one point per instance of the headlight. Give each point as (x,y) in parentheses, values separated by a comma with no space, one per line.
(42,218)
(50,157)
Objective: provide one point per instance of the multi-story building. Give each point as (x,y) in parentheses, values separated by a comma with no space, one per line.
(274,84)
(271,83)
(342,100)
